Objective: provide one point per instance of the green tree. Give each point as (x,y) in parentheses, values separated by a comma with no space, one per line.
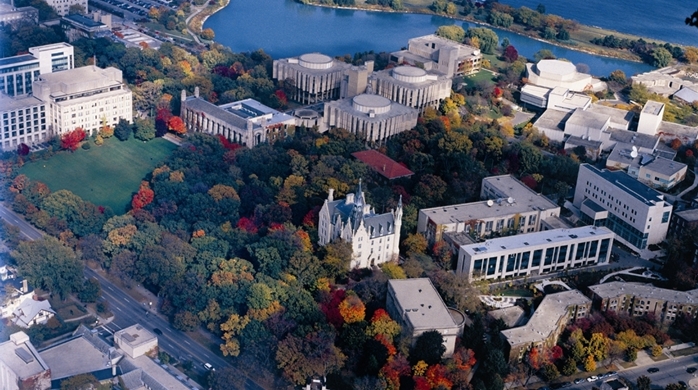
(123,130)
(90,292)
(544,54)
(300,358)
(488,39)
(429,347)
(145,129)
(80,382)
(500,19)
(661,56)
(452,32)
(644,383)
(393,271)
(50,265)
(569,367)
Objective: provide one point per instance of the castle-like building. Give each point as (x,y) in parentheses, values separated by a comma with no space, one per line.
(374,238)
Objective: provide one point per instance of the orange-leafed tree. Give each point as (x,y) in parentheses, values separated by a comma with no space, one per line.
(143,197)
(352,309)
(176,125)
(436,376)
(71,140)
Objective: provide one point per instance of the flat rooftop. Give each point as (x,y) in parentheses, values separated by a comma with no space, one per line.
(512,187)
(384,165)
(652,108)
(665,166)
(644,290)
(633,138)
(589,119)
(83,20)
(618,116)
(464,212)
(553,120)
(84,358)
(8,103)
(7,61)
(424,308)
(21,357)
(536,90)
(512,316)
(77,79)
(629,185)
(546,237)
(135,335)
(155,376)
(688,215)
(544,320)
(427,40)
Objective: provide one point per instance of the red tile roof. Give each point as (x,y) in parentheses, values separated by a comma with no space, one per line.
(383,164)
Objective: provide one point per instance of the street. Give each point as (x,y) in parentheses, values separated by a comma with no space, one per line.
(127,311)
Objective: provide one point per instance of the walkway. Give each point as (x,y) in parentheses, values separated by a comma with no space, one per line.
(197,10)
(695,183)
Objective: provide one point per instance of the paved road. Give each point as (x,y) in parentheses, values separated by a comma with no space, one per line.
(27,230)
(128,312)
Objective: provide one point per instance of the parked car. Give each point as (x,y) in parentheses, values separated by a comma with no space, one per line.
(157,331)
(592,378)
(578,381)
(691,370)
(565,384)
(209,367)
(683,384)
(652,370)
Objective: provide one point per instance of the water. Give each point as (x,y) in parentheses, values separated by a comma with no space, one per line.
(284,28)
(658,19)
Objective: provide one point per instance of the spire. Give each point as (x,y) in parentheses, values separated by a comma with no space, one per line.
(399,202)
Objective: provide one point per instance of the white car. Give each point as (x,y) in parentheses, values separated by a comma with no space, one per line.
(592,378)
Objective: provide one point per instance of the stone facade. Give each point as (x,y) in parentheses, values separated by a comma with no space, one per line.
(315,77)
(411,86)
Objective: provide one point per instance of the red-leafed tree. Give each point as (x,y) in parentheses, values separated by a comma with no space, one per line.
(331,308)
(22,149)
(247,225)
(164,114)
(391,372)
(283,99)
(143,197)
(421,383)
(436,375)
(497,92)
(176,125)
(511,54)
(227,144)
(71,140)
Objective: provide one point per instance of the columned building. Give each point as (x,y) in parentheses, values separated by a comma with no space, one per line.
(371,117)
(374,238)
(84,97)
(316,77)
(246,122)
(411,86)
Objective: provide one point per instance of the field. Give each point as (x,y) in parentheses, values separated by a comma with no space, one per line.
(106,175)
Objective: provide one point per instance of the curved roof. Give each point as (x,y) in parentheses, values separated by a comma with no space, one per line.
(556,67)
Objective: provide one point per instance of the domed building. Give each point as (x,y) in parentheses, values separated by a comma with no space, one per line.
(557,73)
(316,77)
(372,117)
(411,86)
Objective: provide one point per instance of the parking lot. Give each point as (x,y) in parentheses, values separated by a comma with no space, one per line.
(135,9)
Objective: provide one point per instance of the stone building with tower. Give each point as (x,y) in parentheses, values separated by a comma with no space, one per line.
(374,238)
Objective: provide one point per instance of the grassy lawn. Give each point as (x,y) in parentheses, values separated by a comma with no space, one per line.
(479,76)
(106,175)
(685,352)
(516,292)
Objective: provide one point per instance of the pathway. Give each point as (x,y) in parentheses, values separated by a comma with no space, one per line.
(197,10)
(695,183)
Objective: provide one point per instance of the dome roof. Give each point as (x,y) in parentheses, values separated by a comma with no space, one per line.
(556,68)
(371,103)
(409,74)
(315,61)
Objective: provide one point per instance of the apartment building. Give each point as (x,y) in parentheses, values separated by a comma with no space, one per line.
(638,214)
(84,97)
(638,299)
(535,253)
(547,323)
(510,207)
(418,307)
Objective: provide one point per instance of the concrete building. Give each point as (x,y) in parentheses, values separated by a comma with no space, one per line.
(135,341)
(84,97)
(17,73)
(440,55)
(247,122)
(558,73)
(651,117)
(547,323)
(315,77)
(595,123)
(78,26)
(371,117)
(23,121)
(144,373)
(558,98)
(15,16)
(411,86)
(21,366)
(651,169)
(83,353)
(638,299)
(638,214)
(665,81)
(418,307)
(683,221)
(375,238)
(522,210)
(512,316)
(535,253)
(62,7)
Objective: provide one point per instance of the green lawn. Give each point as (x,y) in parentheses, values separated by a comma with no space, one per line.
(479,76)
(106,175)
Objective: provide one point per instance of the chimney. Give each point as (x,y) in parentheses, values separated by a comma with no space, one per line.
(25,286)
(330,196)
(196,91)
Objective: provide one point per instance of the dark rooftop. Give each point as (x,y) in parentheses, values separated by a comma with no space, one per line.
(631,186)
(83,20)
(17,59)
(383,164)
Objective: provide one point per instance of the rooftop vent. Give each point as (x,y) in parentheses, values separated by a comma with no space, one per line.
(24,355)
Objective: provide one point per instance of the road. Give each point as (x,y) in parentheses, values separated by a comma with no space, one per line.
(670,371)
(127,311)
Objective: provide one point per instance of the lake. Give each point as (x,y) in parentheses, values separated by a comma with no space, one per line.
(285,28)
(658,19)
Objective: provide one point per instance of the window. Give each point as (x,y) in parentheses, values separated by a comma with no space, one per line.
(665,216)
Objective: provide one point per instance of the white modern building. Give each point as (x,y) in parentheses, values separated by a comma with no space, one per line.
(375,238)
(512,209)
(373,118)
(17,73)
(651,169)
(558,73)
(247,122)
(135,341)
(21,366)
(84,97)
(418,307)
(62,7)
(535,253)
(638,214)
(440,55)
(23,121)
(411,86)
(316,77)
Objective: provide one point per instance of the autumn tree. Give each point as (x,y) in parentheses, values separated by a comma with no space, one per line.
(352,309)
(71,140)
(589,363)
(176,125)
(143,197)
(231,329)
(300,358)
